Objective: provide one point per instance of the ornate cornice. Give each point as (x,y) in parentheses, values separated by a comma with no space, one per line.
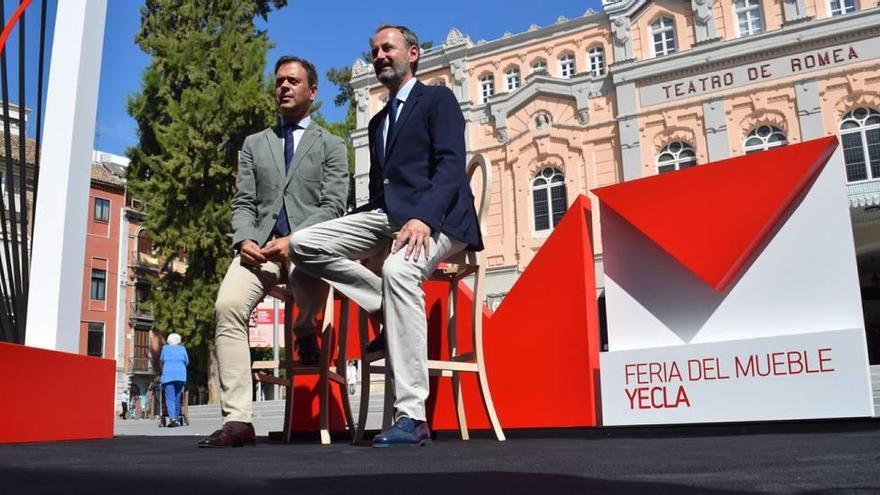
(797,37)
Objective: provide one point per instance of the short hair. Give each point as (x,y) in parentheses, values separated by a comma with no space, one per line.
(408,36)
(308,66)
(174,339)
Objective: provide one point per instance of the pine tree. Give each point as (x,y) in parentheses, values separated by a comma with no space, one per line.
(202,94)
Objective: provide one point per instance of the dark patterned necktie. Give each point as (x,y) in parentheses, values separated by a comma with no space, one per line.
(393,105)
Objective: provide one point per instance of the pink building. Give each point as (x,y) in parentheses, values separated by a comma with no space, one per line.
(647,87)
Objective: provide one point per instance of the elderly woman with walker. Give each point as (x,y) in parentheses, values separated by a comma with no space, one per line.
(174,361)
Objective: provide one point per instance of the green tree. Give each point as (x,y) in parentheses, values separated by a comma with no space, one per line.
(202,94)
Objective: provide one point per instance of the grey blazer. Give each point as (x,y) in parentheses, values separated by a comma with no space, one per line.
(315,188)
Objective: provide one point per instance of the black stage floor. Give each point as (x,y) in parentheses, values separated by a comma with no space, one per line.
(811,457)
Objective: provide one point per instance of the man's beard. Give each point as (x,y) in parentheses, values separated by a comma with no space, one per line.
(394,76)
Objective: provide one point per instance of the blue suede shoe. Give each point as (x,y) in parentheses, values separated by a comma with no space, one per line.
(405,432)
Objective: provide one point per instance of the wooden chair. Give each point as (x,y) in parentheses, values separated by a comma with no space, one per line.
(327,369)
(453,271)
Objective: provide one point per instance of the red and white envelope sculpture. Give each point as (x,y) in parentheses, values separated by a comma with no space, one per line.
(732,293)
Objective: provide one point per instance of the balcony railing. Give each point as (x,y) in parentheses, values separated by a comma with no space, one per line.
(141,312)
(145,260)
(140,365)
(864,201)
(862,194)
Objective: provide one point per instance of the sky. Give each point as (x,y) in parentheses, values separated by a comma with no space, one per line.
(328,33)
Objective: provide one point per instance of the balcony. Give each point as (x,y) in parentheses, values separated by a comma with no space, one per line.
(145,261)
(864,200)
(140,366)
(141,315)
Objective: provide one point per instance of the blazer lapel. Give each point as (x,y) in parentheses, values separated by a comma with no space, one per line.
(376,137)
(311,134)
(411,102)
(276,145)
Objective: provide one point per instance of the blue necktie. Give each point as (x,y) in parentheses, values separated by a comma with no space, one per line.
(288,145)
(393,105)
(282,226)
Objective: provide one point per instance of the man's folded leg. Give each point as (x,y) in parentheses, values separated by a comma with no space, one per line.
(329,251)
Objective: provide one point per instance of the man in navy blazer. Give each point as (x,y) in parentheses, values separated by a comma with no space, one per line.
(420,212)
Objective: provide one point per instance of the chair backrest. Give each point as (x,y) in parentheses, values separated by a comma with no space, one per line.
(480,178)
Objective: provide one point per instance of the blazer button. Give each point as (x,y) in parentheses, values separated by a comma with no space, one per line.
(274,216)
(386,181)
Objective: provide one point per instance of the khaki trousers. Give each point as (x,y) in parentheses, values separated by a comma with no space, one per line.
(327,250)
(242,289)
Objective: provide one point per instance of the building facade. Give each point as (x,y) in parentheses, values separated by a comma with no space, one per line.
(647,87)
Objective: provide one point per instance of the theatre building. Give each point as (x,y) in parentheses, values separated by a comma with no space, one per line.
(651,87)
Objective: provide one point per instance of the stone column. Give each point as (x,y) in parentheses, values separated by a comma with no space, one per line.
(809,109)
(628,127)
(715,126)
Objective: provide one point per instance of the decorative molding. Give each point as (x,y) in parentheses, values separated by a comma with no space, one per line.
(455,38)
(741,51)
(704,20)
(360,67)
(622,39)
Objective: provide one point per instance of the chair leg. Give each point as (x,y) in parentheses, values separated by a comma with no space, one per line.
(364,406)
(324,379)
(459,406)
(388,409)
(451,331)
(342,364)
(477,328)
(287,433)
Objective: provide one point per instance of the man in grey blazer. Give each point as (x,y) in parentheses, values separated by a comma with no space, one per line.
(290,176)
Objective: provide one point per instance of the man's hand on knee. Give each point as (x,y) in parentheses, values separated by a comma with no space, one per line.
(416,236)
(277,250)
(250,253)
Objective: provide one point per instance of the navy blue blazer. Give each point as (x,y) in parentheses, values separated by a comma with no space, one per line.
(423,174)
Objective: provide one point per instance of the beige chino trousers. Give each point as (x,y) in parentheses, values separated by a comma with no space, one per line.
(242,289)
(328,250)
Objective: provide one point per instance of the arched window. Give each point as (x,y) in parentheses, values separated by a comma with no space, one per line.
(539,66)
(860,136)
(840,7)
(566,65)
(663,34)
(596,56)
(763,138)
(513,79)
(487,87)
(548,198)
(676,156)
(748,17)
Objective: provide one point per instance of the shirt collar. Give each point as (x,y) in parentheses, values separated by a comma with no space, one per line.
(403,92)
(302,124)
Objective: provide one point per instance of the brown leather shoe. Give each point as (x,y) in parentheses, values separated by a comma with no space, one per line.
(232,434)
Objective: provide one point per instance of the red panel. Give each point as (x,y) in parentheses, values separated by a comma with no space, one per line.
(542,344)
(35,383)
(714,218)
